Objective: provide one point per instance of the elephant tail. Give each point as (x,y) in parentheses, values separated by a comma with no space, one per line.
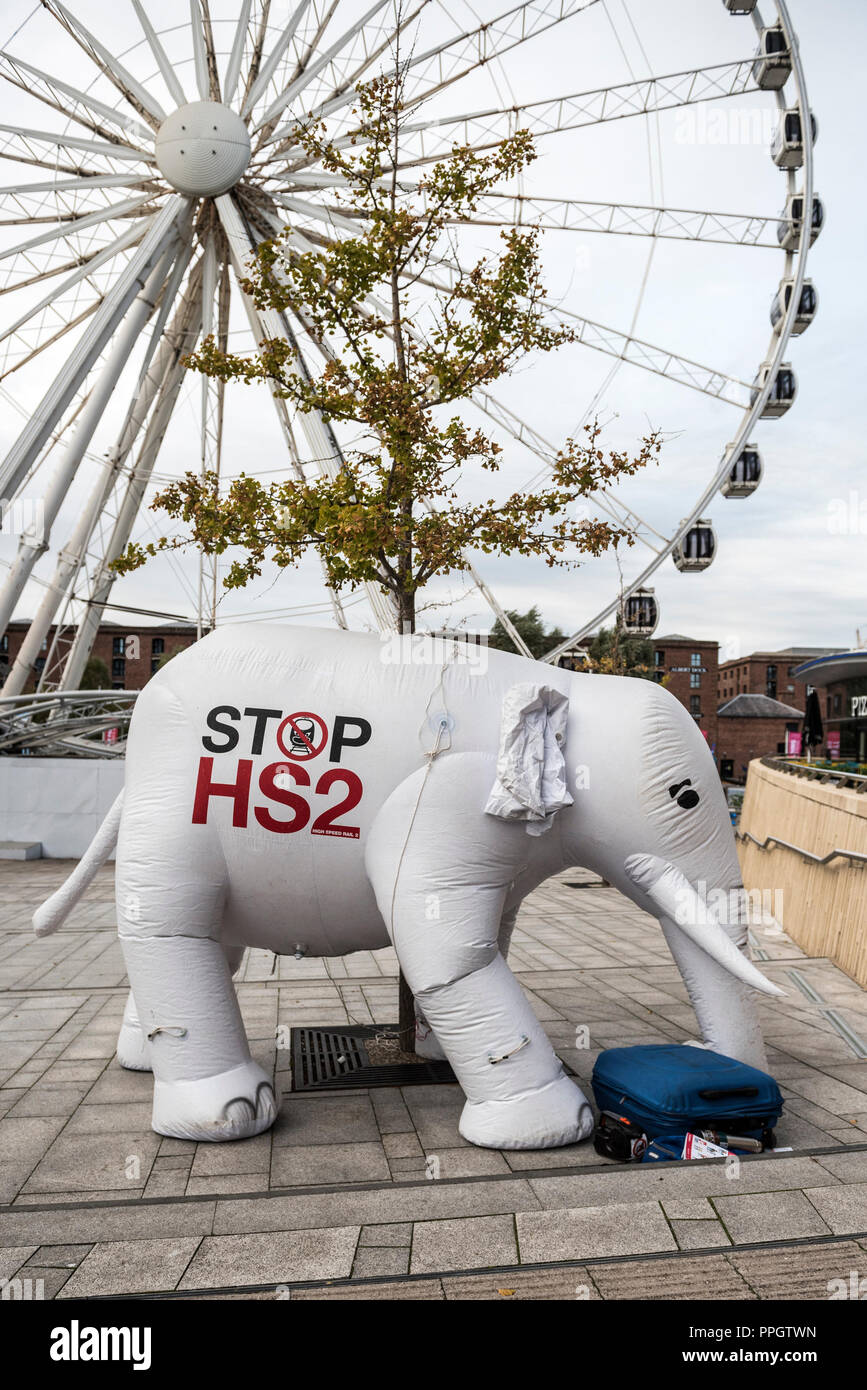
(54,911)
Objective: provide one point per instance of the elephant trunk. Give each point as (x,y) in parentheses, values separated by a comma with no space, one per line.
(708,940)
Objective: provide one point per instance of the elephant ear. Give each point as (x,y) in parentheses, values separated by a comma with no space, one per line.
(531,771)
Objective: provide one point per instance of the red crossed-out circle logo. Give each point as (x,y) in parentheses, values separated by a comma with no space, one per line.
(307,735)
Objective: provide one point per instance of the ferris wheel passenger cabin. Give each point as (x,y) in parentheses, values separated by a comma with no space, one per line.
(782,393)
(808,306)
(789,225)
(787,146)
(773,65)
(745,474)
(695,549)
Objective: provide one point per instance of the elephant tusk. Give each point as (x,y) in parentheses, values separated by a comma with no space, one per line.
(674,898)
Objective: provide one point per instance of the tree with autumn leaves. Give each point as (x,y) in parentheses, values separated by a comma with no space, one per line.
(405,338)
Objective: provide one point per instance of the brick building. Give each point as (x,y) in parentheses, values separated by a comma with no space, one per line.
(768,673)
(131,654)
(690,664)
(752,726)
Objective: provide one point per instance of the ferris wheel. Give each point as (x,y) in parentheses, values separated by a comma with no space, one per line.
(154,172)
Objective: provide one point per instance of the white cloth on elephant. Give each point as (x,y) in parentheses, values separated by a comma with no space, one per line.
(531,770)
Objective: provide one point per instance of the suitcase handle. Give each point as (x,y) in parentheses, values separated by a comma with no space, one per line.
(724,1095)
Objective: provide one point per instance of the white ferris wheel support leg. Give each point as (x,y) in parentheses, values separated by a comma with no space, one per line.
(294,457)
(71,556)
(323,446)
(74,371)
(215,284)
(169,370)
(34,541)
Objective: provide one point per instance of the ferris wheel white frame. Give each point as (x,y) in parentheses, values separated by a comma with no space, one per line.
(170,300)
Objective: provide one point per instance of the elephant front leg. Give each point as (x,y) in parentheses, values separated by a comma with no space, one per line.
(426,1042)
(206,1085)
(441,891)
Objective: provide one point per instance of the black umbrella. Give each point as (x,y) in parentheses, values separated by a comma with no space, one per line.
(813,732)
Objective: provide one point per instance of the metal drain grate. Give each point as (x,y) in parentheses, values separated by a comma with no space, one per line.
(326,1059)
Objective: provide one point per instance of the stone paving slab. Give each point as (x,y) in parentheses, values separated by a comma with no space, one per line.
(98,1205)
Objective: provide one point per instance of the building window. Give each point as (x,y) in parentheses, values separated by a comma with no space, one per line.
(781,748)
(117,685)
(694,679)
(659,658)
(837,704)
(695,706)
(155,664)
(828,707)
(39,665)
(695,658)
(771,681)
(158,646)
(118,670)
(727,769)
(117,646)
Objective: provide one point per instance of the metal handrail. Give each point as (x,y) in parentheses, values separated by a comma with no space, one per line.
(857,780)
(852,854)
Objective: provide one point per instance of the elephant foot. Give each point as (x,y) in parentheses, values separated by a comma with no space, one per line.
(133,1049)
(233,1104)
(557,1114)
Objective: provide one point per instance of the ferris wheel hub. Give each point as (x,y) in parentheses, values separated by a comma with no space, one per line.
(203,149)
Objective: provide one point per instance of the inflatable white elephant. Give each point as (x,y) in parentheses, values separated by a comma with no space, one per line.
(298,789)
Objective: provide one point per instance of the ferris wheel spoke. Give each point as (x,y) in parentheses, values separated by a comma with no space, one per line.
(83,264)
(42,147)
(56,298)
(304,57)
(344,82)
(447,62)
(258,47)
(236,56)
(167,69)
(213,82)
(362,33)
(21,255)
(74,371)
(28,203)
(133,92)
(69,324)
(623,219)
(484,129)
(272,62)
(78,106)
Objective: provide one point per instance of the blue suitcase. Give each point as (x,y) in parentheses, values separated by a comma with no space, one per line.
(671,1088)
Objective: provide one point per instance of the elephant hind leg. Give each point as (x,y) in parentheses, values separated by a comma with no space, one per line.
(133,1047)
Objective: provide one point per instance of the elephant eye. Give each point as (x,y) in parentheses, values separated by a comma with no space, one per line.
(686,799)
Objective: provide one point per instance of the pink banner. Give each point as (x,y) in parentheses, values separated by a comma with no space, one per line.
(793,743)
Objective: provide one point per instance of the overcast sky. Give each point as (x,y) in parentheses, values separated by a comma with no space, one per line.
(790,567)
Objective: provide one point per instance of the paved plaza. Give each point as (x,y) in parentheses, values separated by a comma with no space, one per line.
(338,1201)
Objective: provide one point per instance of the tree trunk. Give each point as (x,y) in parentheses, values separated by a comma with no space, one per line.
(405,1002)
(405,1015)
